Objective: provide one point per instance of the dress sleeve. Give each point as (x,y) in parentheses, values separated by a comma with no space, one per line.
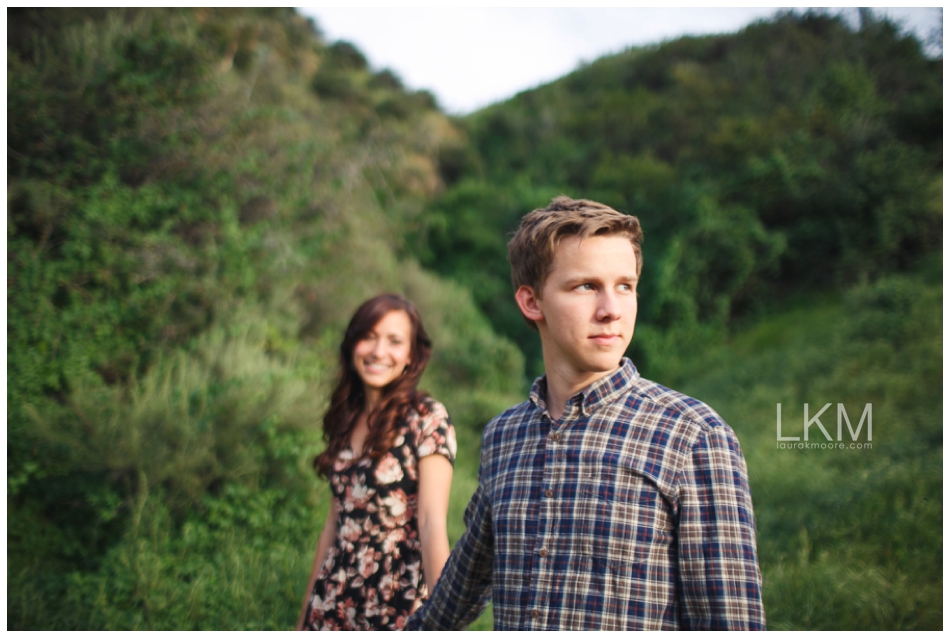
(435,434)
(718,566)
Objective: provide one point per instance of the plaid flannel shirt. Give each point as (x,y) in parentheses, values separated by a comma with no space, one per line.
(632,511)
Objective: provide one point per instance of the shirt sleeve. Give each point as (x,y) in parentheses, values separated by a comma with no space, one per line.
(464,588)
(435,434)
(719,577)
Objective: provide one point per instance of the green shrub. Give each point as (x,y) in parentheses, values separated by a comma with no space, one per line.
(846,537)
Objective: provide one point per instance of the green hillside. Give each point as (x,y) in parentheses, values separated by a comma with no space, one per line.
(197,199)
(795,155)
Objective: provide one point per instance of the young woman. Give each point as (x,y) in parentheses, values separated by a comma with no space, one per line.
(389,456)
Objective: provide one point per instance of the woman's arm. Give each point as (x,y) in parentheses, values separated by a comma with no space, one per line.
(435,481)
(323,549)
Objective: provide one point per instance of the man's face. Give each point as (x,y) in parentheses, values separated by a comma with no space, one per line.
(589,305)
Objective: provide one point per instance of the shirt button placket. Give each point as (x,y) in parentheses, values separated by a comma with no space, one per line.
(551,479)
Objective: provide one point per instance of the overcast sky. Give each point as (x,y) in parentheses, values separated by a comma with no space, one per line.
(473,57)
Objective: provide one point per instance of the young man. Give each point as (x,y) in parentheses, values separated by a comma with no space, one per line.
(605,501)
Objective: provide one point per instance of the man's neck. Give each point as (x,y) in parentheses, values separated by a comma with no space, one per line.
(563,383)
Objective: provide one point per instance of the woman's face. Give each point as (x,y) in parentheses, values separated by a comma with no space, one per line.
(382,354)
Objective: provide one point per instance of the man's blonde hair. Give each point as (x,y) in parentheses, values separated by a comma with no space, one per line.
(531,250)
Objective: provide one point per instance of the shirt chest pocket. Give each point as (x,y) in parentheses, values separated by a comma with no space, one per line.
(620,517)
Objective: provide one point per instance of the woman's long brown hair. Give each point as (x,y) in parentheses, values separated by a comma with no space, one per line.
(348,398)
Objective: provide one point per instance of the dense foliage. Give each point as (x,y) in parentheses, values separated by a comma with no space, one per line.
(848,538)
(191,219)
(199,198)
(796,154)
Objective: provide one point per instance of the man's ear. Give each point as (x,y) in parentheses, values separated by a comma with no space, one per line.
(528,303)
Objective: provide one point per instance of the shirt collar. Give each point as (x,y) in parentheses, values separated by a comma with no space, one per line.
(601,392)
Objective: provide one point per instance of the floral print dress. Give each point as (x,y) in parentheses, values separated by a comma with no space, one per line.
(373,578)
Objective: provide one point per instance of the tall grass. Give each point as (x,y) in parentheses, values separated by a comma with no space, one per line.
(852,538)
(208,452)
(217,509)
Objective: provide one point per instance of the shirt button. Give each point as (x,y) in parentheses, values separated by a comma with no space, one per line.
(549,493)
(535,613)
(555,436)
(543,553)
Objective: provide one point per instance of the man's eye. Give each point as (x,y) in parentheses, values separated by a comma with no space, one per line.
(585,287)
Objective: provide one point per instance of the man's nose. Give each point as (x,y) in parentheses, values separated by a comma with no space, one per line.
(608,307)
